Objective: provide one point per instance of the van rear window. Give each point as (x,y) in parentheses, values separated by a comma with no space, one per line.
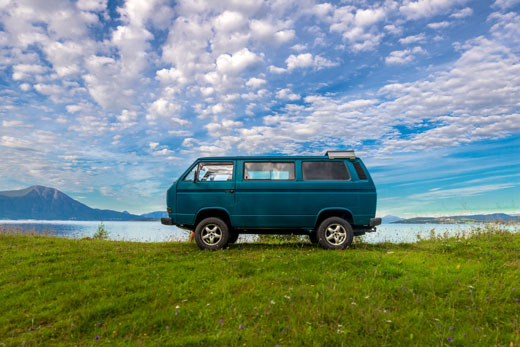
(325,171)
(269,171)
(359,170)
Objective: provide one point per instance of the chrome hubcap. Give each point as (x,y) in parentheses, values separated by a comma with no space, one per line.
(211,234)
(335,234)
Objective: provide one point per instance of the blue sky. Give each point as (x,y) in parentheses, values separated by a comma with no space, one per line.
(109,101)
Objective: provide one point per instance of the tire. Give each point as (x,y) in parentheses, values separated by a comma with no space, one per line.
(313,237)
(212,234)
(335,233)
(233,237)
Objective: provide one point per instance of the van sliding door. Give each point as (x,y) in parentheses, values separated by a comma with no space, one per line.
(268,195)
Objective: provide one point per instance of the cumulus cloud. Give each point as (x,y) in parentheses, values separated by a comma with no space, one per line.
(287,94)
(304,60)
(163,108)
(237,62)
(413,39)
(439,25)
(255,82)
(505,4)
(427,8)
(404,56)
(465,12)
(359,26)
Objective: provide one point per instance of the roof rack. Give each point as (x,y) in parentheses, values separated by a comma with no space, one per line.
(341,154)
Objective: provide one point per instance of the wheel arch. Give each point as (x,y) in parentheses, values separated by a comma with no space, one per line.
(341,212)
(217,212)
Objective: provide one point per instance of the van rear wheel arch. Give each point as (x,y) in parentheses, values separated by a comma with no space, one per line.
(341,213)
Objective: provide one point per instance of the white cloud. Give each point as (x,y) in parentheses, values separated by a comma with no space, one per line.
(505,4)
(92,5)
(127,118)
(404,56)
(223,127)
(49,89)
(238,62)
(299,61)
(427,8)
(359,26)
(25,87)
(393,29)
(276,70)
(506,28)
(460,192)
(14,123)
(229,21)
(163,108)
(73,108)
(465,12)
(25,71)
(17,143)
(180,133)
(439,25)
(255,82)
(284,36)
(299,47)
(304,60)
(287,94)
(413,39)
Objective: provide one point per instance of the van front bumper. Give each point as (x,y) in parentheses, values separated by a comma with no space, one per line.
(166,221)
(375,222)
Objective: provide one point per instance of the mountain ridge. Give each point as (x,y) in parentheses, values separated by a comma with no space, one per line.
(469,219)
(46,203)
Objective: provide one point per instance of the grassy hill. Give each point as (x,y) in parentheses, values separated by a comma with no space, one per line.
(56,291)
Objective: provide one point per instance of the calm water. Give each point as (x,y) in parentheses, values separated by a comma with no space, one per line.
(155,231)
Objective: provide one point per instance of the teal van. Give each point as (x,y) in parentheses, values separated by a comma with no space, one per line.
(330,198)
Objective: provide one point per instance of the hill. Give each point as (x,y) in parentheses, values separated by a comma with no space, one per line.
(472,219)
(155,215)
(44,203)
(390,219)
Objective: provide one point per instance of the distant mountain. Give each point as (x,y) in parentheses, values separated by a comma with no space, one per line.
(390,219)
(155,215)
(473,219)
(46,203)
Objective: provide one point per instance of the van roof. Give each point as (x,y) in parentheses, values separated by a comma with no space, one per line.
(270,157)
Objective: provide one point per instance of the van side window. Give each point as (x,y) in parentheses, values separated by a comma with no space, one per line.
(212,172)
(325,171)
(269,171)
(189,177)
(359,170)
(215,172)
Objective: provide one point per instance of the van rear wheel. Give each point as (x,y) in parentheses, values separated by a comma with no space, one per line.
(212,234)
(335,233)
(233,237)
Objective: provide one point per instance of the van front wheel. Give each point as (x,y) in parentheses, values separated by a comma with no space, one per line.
(335,233)
(313,237)
(212,234)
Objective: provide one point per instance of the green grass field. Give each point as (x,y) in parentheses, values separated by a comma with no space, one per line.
(456,291)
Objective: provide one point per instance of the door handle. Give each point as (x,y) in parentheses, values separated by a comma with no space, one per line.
(229,191)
